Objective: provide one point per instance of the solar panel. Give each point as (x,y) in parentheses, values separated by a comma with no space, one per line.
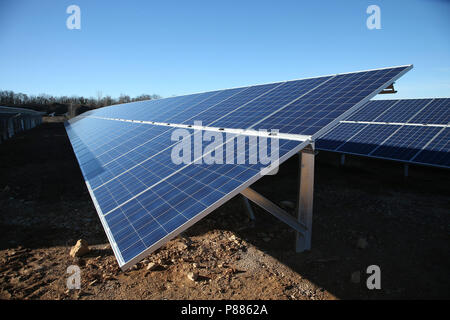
(143,198)
(437,112)
(409,130)
(406,142)
(403,110)
(368,139)
(437,153)
(372,110)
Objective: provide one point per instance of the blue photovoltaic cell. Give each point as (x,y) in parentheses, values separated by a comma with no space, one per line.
(437,152)
(403,110)
(143,197)
(406,142)
(371,110)
(437,112)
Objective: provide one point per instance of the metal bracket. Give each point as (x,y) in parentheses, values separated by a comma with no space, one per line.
(272,208)
(389,89)
(249,208)
(303,224)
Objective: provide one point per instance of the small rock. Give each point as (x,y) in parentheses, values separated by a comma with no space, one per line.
(193,276)
(151,266)
(266,239)
(286,204)
(182,246)
(232,238)
(79,249)
(362,243)
(194,265)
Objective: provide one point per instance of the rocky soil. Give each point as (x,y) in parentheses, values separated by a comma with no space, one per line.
(364,214)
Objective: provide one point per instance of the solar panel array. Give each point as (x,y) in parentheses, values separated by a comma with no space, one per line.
(144,199)
(14,120)
(409,130)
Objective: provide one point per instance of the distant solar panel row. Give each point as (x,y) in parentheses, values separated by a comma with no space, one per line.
(420,111)
(413,130)
(143,198)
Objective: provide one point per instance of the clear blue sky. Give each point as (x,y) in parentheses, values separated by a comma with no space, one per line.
(178,47)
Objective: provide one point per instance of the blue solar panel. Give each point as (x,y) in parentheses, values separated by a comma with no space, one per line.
(309,114)
(141,222)
(369,138)
(437,153)
(262,107)
(143,198)
(338,136)
(364,133)
(372,110)
(437,112)
(242,99)
(406,142)
(151,109)
(403,110)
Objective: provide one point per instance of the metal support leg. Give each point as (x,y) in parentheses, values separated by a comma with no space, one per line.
(406,170)
(249,208)
(305,199)
(342,159)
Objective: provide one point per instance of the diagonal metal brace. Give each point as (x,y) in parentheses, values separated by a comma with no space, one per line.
(272,208)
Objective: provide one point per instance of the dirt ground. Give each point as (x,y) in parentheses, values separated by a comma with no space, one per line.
(402,225)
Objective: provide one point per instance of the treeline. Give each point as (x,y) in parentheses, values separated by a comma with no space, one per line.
(60,105)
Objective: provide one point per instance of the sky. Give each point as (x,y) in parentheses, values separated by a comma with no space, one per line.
(180,47)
